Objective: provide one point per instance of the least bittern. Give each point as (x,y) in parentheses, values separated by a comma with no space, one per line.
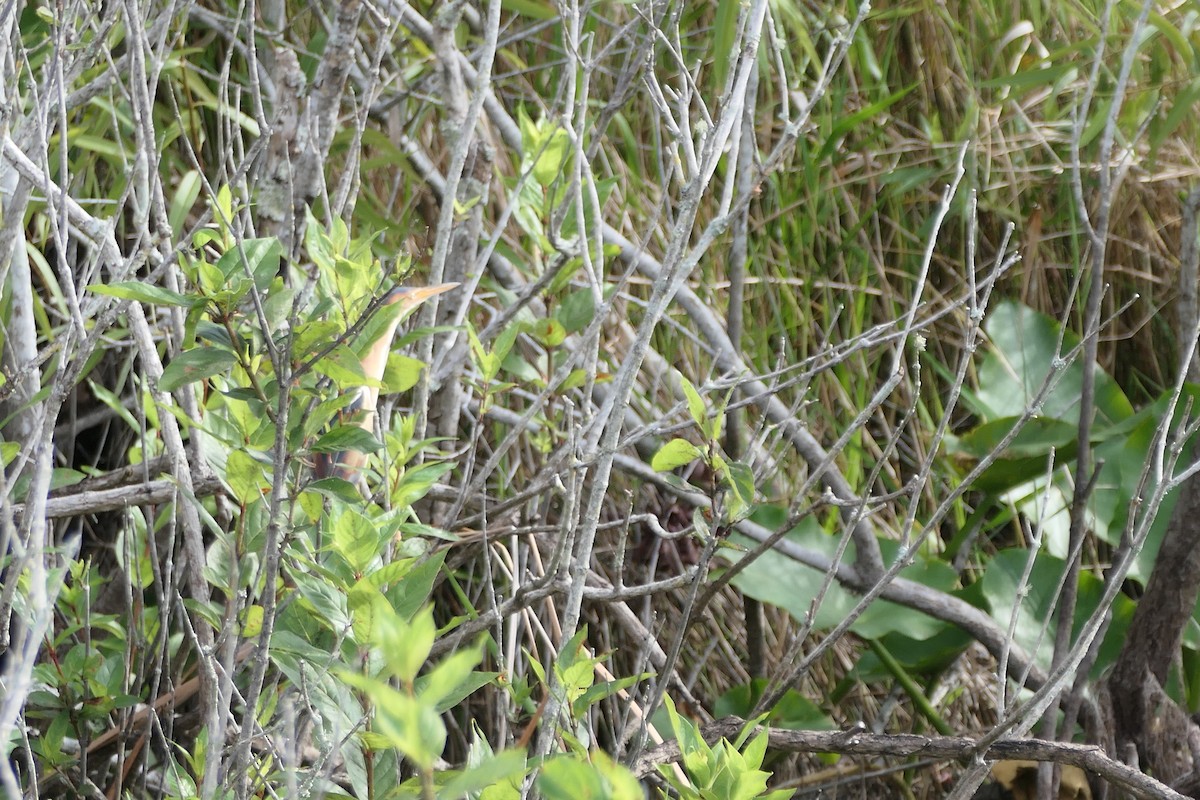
(346,464)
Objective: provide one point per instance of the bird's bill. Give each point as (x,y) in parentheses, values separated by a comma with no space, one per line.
(412,296)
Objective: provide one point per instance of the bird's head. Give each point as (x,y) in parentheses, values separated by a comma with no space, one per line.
(347,464)
(409,297)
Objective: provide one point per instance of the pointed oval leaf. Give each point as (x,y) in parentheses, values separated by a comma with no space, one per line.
(674,453)
(195,365)
(144,293)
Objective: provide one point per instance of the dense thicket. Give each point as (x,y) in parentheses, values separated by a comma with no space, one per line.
(819,366)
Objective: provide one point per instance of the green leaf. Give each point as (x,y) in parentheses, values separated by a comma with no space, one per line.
(409,595)
(722,35)
(447,680)
(343,368)
(576,667)
(187,190)
(570,778)
(401,374)
(263,257)
(1036,598)
(486,360)
(495,770)
(356,539)
(416,483)
(324,599)
(549,332)
(375,623)
(552,150)
(696,753)
(576,379)
(245,476)
(793,712)
(695,403)
(195,365)
(604,690)
(782,581)
(620,782)
(576,310)
(504,342)
(344,438)
(530,8)
(144,293)
(311,337)
(1023,353)
(65,476)
(674,453)
(739,481)
(406,646)
(413,727)
(391,572)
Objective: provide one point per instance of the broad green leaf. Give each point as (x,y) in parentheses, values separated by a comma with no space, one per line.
(195,365)
(576,667)
(375,623)
(401,374)
(576,379)
(252,620)
(412,726)
(571,778)
(1035,598)
(65,476)
(262,258)
(410,594)
(520,369)
(620,782)
(245,476)
(1036,438)
(356,539)
(1024,351)
(697,755)
(486,360)
(144,293)
(576,310)
(385,318)
(416,483)
(793,712)
(1024,459)
(222,206)
(552,151)
(343,438)
(782,581)
(549,332)
(504,342)
(324,599)
(673,454)
(311,337)
(391,572)
(406,646)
